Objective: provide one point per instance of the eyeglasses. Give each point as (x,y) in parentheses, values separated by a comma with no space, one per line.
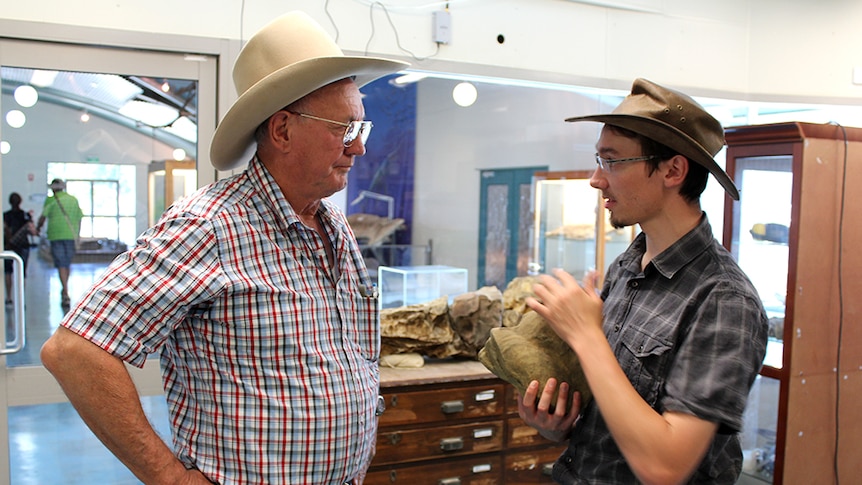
(607,163)
(352,131)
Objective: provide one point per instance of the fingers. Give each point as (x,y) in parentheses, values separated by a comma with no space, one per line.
(547,395)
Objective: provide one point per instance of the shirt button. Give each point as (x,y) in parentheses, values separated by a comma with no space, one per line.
(616,328)
(633,284)
(567,459)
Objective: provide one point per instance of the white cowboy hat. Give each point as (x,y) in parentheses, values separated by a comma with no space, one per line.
(287,59)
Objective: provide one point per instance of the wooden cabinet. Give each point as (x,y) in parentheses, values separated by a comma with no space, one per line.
(454,422)
(796,233)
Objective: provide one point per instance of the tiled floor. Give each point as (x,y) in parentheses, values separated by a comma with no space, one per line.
(49,443)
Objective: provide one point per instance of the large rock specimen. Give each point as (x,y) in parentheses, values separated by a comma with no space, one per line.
(530,351)
(473,315)
(514,296)
(422,328)
(439,330)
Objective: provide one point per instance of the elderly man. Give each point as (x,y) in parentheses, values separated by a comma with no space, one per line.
(250,289)
(673,342)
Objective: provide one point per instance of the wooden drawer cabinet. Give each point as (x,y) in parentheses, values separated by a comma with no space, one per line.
(533,466)
(484,470)
(441,405)
(453,423)
(406,445)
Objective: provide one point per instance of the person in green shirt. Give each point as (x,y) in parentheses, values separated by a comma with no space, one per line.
(64,224)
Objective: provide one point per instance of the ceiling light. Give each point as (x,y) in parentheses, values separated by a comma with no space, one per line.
(85,117)
(15,118)
(43,78)
(5,147)
(464,94)
(408,78)
(26,95)
(166,87)
(155,115)
(179,154)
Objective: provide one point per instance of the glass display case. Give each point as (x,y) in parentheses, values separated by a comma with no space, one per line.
(409,285)
(789,232)
(568,216)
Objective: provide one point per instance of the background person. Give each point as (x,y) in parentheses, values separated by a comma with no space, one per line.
(252,290)
(64,227)
(674,341)
(17,226)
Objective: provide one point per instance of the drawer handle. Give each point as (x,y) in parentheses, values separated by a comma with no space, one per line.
(394,439)
(452,407)
(485,395)
(451,444)
(449,481)
(548,469)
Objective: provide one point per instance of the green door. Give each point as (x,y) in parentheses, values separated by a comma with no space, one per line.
(505,224)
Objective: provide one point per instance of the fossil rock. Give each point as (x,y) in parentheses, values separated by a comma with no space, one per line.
(513,299)
(436,329)
(473,315)
(532,351)
(423,328)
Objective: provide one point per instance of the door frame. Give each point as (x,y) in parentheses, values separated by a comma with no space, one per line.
(70,48)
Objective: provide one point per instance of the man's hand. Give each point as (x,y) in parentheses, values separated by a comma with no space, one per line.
(536,411)
(571,309)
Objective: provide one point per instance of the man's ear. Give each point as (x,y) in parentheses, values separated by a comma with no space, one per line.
(676,169)
(279,130)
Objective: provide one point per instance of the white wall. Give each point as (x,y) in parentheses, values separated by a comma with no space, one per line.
(751,49)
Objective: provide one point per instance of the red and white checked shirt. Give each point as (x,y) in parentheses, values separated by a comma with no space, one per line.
(269,357)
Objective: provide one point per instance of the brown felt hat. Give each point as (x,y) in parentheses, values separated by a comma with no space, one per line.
(287,59)
(672,119)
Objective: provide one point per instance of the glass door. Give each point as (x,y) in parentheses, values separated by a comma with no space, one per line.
(97,118)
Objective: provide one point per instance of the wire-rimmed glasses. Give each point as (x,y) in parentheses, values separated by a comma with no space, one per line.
(606,163)
(352,130)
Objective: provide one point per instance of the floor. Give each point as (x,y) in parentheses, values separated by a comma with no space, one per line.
(49,442)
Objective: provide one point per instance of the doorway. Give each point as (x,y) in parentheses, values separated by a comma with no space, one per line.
(505,225)
(73,121)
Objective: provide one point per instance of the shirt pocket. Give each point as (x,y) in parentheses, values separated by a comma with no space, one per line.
(645,359)
(367,325)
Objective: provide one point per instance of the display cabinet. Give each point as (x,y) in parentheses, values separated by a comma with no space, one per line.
(795,232)
(168,181)
(409,285)
(569,214)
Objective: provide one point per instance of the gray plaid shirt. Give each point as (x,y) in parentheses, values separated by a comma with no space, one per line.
(690,333)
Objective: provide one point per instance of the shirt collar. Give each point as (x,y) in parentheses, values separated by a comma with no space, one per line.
(675,257)
(260,176)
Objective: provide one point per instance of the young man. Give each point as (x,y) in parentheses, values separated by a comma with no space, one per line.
(250,289)
(674,340)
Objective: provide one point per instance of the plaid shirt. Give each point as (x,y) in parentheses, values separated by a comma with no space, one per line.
(269,361)
(690,333)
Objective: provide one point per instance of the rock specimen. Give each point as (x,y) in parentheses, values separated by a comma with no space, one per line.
(473,315)
(532,351)
(439,330)
(513,299)
(422,328)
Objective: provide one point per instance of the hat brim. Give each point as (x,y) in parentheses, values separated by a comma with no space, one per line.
(669,136)
(232,140)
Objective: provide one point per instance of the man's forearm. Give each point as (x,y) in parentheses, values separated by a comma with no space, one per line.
(101,390)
